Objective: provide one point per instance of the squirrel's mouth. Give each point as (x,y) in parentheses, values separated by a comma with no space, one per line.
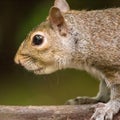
(31,66)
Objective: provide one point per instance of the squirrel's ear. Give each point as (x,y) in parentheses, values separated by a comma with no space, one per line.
(55,16)
(57,20)
(62,5)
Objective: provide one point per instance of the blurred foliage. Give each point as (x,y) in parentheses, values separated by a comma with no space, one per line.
(18,86)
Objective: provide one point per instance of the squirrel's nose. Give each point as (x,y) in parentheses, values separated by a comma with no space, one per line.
(17,59)
(18,55)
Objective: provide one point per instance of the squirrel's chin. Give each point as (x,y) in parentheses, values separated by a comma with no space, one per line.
(39,71)
(47,70)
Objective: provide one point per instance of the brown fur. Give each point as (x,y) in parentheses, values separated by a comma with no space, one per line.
(86,40)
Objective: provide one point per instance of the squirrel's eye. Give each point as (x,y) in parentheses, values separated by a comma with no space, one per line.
(38,40)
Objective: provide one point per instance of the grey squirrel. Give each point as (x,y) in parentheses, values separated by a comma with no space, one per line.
(85,40)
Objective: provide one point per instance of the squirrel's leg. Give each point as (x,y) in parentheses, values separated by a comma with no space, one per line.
(104,93)
(102,96)
(106,111)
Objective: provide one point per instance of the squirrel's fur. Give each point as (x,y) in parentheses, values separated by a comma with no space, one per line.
(86,40)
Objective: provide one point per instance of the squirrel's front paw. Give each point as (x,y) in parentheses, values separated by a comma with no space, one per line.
(106,111)
(81,100)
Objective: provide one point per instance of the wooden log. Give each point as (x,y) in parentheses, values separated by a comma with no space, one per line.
(78,112)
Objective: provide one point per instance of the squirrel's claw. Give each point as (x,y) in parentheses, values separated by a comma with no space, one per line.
(107,111)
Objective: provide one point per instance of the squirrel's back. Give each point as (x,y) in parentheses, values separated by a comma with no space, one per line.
(100,31)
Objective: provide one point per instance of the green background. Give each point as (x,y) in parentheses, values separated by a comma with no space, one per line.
(20,87)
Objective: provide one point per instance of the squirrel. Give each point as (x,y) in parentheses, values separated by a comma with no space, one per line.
(85,40)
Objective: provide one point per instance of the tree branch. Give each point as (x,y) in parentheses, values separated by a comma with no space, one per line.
(81,112)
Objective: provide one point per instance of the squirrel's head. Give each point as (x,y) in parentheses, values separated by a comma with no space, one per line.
(46,48)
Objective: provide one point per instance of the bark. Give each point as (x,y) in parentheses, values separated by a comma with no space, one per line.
(81,112)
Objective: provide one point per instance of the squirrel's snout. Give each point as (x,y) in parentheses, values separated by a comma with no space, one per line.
(17,59)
